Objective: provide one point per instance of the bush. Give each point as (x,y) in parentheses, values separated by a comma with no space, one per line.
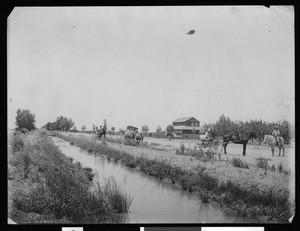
(273,168)
(237,162)
(280,168)
(262,163)
(17,143)
(182,147)
(88,171)
(120,201)
(26,161)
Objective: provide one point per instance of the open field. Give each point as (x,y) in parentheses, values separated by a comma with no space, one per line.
(251,178)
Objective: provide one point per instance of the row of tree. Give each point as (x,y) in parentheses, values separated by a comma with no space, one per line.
(60,124)
(253,129)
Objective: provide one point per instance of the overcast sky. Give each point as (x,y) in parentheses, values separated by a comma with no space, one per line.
(137,65)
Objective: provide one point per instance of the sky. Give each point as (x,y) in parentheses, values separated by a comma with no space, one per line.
(138,66)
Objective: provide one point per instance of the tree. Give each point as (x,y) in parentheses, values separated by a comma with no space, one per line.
(158,129)
(62,124)
(83,128)
(223,125)
(113,128)
(74,129)
(285,129)
(170,129)
(145,128)
(25,119)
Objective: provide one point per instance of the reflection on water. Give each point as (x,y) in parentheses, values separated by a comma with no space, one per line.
(154,200)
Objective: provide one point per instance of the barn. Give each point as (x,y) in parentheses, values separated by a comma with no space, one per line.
(186,126)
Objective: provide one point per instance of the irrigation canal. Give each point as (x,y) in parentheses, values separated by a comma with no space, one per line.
(154,201)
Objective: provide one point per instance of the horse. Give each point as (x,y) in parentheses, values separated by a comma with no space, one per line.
(102,132)
(271,140)
(139,137)
(205,139)
(237,139)
(130,134)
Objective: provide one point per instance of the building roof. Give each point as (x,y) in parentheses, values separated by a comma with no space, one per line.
(186,128)
(184,119)
(131,128)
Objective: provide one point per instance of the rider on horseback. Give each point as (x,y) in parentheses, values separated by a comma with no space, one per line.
(276,133)
(207,135)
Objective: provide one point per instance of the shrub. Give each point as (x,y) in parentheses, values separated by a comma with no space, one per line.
(120,201)
(103,142)
(237,162)
(26,162)
(88,171)
(273,168)
(182,147)
(262,163)
(204,196)
(17,143)
(280,168)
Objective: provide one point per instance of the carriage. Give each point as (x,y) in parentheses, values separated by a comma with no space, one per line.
(132,136)
(207,146)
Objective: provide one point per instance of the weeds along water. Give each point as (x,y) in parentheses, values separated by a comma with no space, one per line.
(263,205)
(56,190)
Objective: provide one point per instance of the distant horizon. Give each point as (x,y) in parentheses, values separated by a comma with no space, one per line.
(90,128)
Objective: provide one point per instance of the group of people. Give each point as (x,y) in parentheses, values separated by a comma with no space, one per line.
(99,132)
(95,128)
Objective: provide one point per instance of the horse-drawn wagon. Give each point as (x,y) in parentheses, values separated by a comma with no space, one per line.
(132,136)
(208,146)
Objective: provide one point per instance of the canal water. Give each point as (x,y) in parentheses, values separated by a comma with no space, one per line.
(154,201)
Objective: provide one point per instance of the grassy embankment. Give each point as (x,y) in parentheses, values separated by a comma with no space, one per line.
(262,205)
(47,187)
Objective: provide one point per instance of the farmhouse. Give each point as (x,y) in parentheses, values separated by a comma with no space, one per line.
(187,125)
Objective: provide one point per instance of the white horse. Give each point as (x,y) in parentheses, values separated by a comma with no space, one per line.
(271,140)
(205,138)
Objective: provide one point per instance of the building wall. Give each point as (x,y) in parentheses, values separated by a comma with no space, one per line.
(185,131)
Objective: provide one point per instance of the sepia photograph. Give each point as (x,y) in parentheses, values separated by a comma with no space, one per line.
(151,114)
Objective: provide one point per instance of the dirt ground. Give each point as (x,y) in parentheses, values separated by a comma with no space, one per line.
(164,149)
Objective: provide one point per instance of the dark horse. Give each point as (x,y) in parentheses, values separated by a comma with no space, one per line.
(234,138)
(102,132)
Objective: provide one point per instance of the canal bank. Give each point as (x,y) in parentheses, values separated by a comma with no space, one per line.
(260,204)
(154,201)
(45,186)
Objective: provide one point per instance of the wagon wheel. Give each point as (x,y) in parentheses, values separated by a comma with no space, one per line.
(193,144)
(218,147)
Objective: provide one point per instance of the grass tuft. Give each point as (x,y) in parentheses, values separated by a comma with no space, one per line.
(237,162)
(120,201)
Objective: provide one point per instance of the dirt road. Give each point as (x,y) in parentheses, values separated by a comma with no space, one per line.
(233,150)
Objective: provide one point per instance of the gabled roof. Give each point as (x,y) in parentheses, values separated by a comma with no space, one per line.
(131,128)
(184,119)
